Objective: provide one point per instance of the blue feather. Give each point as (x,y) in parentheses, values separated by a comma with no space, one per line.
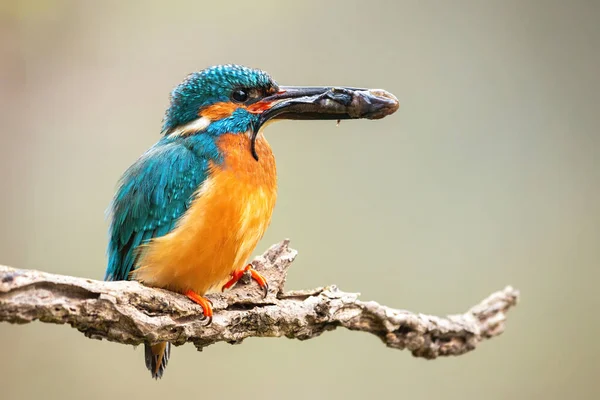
(154,193)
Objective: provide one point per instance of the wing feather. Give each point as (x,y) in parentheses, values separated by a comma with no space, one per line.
(154,193)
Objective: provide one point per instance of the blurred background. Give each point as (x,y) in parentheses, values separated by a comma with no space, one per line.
(488,175)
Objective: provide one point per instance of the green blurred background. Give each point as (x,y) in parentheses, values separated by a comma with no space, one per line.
(488,175)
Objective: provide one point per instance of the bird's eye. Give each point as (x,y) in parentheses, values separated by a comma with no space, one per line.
(240,95)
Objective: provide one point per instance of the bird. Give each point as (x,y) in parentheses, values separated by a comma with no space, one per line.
(188,213)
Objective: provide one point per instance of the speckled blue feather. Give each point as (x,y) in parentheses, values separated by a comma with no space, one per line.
(154,193)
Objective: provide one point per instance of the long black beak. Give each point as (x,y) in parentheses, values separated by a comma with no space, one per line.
(325,103)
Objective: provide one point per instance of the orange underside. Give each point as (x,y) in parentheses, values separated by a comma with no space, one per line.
(218,233)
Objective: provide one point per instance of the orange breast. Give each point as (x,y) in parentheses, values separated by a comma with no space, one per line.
(228,217)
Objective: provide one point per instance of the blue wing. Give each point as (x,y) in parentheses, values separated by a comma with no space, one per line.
(154,193)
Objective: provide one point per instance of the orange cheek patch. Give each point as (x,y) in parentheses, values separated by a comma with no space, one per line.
(218,111)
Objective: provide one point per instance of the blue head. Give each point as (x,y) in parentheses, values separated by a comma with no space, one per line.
(218,100)
(236,99)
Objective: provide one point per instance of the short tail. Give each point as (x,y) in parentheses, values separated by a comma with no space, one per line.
(157,357)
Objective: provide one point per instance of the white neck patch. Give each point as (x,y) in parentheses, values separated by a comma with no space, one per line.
(195,126)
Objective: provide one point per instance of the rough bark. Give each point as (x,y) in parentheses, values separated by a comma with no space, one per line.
(130,313)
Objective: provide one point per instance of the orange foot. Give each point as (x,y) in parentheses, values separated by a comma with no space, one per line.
(238,273)
(205,303)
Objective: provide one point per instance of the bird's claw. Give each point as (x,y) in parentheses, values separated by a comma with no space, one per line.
(203,302)
(238,273)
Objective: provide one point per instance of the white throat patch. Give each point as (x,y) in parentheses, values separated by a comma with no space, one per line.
(196,125)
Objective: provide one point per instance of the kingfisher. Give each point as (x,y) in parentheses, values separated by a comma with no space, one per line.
(190,211)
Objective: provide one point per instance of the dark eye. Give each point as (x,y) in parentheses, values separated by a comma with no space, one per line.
(240,95)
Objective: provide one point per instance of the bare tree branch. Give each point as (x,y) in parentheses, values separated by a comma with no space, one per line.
(130,313)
